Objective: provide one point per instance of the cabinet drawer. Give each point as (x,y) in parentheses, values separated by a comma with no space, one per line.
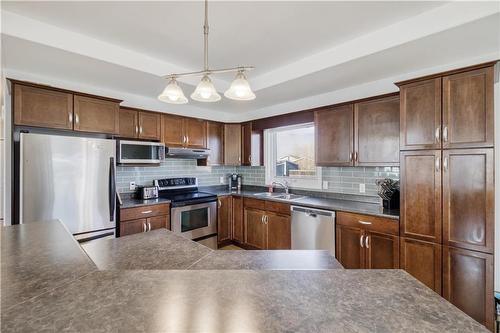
(143,212)
(254,203)
(277,207)
(368,222)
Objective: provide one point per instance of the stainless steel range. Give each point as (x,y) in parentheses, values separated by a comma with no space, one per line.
(193,213)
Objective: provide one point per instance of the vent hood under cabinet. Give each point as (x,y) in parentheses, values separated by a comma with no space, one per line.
(187,153)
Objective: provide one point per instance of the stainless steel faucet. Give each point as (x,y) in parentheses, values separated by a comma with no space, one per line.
(284,185)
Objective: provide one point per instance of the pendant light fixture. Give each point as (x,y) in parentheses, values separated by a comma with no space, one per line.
(205,91)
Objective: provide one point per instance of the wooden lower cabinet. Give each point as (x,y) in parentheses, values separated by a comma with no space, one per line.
(468,283)
(348,250)
(224,214)
(158,222)
(132,227)
(237,220)
(255,228)
(381,250)
(422,260)
(143,219)
(279,232)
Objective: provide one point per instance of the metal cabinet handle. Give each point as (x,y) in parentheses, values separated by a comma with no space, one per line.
(351,156)
(437,164)
(147,212)
(149,226)
(266,219)
(250,159)
(70,117)
(219,203)
(361,241)
(445,134)
(437,134)
(367,242)
(143,226)
(445,164)
(364,222)
(136,129)
(77,119)
(262,219)
(140,129)
(187,139)
(355,156)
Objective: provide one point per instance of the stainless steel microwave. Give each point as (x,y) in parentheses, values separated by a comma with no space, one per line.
(140,152)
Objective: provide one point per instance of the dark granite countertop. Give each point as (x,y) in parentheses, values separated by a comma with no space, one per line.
(130,202)
(315,202)
(215,300)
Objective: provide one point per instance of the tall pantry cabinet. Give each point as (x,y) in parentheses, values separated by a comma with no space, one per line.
(447,186)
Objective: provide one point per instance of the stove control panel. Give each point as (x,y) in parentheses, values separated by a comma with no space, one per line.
(171,183)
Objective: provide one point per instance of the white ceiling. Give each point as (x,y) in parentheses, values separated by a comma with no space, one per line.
(300,49)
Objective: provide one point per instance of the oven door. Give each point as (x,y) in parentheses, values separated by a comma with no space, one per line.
(195,221)
(140,152)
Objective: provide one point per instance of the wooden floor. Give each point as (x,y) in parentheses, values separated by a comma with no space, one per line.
(231,247)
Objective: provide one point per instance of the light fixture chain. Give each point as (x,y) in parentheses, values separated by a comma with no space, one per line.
(205,36)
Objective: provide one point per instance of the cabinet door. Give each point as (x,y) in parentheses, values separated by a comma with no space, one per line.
(96,115)
(237,219)
(421,195)
(349,247)
(468,283)
(224,219)
(468,199)
(468,109)
(246,143)
(172,130)
(255,229)
(42,107)
(421,115)
(232,144)
(376,132)
(158,222)
(422,260)
(382,250)
(133,227)
(129,126)
(196,132)
(215,143)
(279,232)
(149,125)
(334,132)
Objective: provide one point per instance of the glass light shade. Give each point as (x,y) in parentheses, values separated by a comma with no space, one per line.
(240,89)
(173,94)
(205,91)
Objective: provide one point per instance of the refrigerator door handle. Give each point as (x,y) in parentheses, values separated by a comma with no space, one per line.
(112,189)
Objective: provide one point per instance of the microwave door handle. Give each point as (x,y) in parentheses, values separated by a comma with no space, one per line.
(112,189)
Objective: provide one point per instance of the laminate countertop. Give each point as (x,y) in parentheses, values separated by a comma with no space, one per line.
(215,300)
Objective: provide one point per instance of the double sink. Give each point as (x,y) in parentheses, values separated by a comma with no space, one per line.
(280,196)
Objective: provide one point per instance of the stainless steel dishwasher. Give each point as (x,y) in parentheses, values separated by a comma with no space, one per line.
(313,229)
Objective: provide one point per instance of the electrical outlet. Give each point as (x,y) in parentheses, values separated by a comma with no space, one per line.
(222,180)
(131,186)
(362,188)
(325,184)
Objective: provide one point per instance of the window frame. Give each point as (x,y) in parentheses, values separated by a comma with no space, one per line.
(270,158)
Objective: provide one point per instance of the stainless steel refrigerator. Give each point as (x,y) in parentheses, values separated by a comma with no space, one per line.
(71,179)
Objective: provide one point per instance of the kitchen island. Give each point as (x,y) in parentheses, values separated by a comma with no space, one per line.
(253,297)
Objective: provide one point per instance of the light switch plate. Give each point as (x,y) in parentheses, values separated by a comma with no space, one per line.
(131,186)
(362,188)
(325,184)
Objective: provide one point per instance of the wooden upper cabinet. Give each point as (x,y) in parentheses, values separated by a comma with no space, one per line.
(251,145)
(468,199)
(376,132)
(334,132)
(468,283)
(279,232)
(172,130)
(255,229)
(423,261)
(348,250)
(232,144)
(224,219)
(96,115)
(238,230)
(149,125)
(195,131)
(468,109)
(42,107)
(420,120)
(215,142)
(420,184)
(129,124)
(382,251)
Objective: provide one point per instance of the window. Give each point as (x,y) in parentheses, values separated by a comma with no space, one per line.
(289,156)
